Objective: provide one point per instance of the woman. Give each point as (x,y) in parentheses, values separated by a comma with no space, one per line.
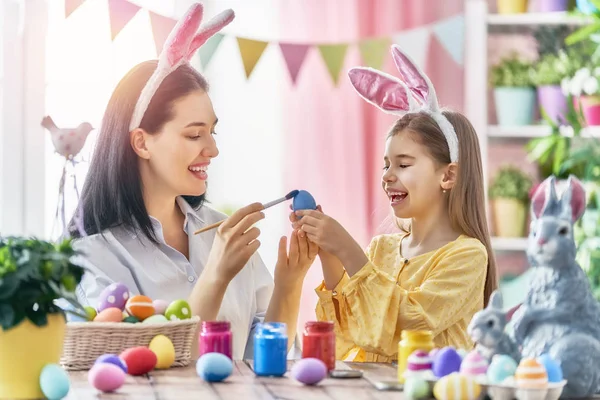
(144,197)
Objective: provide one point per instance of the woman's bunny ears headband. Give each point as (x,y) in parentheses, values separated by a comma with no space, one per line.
(412,92)
(183,42)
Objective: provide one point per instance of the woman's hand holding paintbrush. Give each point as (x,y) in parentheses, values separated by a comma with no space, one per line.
(288,196)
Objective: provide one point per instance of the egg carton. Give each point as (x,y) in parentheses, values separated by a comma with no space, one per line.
(510,391)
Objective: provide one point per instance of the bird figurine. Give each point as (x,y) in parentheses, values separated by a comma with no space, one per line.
(67,142)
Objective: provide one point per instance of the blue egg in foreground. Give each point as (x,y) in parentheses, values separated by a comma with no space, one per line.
(214,367)
(54,382)
(304,201)
(552,368)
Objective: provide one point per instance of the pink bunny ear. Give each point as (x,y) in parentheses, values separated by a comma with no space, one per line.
(382,90)
(207,31)
(573,199)
(417,82)
(178,43)
(511,312)
(544,200)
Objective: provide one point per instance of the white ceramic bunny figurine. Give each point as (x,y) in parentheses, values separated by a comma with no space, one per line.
(488,330)
(560,316)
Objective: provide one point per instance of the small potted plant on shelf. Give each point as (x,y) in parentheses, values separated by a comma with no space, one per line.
(549,72)
(509,193)
(34,274)
(512,6)
(552,5)
(514,91)
(584,86)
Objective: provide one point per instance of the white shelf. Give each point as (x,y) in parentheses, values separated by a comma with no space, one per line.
(532,131)
(550,18)
(509,244)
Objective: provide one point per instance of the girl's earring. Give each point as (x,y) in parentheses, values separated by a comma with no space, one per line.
(443,190)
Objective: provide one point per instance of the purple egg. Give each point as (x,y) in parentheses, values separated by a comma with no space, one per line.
(112,359)
(446,361)
(115,295)
(309,371)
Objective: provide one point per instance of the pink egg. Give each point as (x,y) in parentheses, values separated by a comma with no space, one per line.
(109,315)
(419,361)
(106,377)
(474,364)
(160,306)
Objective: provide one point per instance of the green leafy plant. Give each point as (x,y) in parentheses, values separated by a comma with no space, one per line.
(551,69)
(551,38)
(511,183)
(33,275)
(512,72)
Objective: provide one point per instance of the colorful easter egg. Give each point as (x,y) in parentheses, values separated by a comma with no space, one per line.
(446,361)
(178,310)
(531,374)
(160,306)
(140,360)
(109,315)
(456,387)
(416,388)
(309,371)
(419,365)
(304,201)
(164,350)
(131,320)
(156,319)
(112,359)
(140,307)
(90,312)
(214,367)
(553,369)
(501,367)
(474,364)
(114,295)
(54,382)
(106,377)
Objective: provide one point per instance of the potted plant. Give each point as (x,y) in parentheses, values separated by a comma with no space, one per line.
(514,92)
(552,5)
(33,275)
(512,6)
(509,193)
(549,73)
(584,86)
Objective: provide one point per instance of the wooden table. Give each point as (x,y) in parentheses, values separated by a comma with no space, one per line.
(183,383)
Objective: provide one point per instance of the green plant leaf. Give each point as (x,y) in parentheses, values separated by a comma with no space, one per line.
(582,33)
(7,315)
(559,155)
(8,286)
(541,148)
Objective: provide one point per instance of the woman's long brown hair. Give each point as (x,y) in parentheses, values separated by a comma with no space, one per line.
(466,200)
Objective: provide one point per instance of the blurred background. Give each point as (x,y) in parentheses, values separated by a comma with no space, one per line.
(525,72)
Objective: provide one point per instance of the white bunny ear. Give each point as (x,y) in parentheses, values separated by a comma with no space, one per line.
(544,201)
(417,81)
(382,90)
(496,300)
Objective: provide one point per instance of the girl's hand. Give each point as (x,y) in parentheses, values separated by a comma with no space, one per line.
(235,242)
(325,231)
(291,268)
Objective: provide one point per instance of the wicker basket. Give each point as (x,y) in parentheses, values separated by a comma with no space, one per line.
(86,341)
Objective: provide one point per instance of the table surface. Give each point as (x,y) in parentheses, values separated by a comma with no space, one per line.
(183,383)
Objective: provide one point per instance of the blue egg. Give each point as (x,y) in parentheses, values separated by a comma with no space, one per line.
(304,201)
(214,367)
(501,367)
(552,368)
(54,382)
(112,359)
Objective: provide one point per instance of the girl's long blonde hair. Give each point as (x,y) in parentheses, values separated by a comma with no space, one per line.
(466,200)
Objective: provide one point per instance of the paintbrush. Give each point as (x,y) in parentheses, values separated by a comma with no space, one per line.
(288,196)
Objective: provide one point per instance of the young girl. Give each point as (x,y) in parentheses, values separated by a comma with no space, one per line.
(440,270)
(143,201)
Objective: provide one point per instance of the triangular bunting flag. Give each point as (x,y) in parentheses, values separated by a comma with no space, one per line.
(207,50)
(161,27)
(333,55)
(71,6)
(294,55)
(373,51)
(250,50)
(120,12)
(415,42)
(451,34)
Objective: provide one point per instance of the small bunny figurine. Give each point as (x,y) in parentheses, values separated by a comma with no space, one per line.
(487,329)
(560,316)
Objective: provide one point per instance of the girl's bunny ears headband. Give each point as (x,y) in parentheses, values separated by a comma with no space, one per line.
(413,92)
(180,46)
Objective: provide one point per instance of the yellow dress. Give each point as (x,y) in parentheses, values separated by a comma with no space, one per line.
(437,291)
